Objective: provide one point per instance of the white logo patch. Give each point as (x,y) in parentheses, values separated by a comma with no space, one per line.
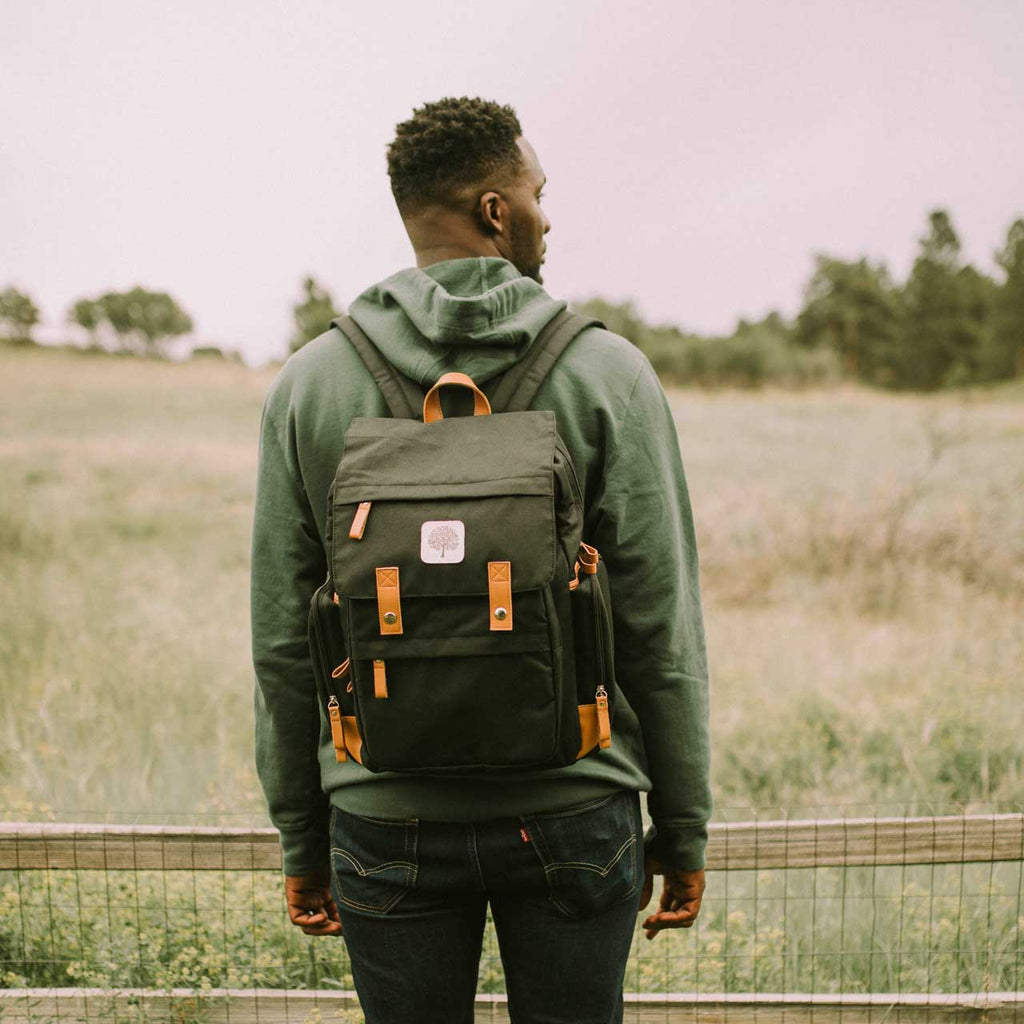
(443,540)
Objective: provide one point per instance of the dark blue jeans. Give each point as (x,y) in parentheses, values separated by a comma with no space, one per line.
(563,888)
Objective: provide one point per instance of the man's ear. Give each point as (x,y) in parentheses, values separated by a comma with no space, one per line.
(490,210)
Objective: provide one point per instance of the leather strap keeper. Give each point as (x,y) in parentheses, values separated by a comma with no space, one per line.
(499,589)
(389,601)
(588,558)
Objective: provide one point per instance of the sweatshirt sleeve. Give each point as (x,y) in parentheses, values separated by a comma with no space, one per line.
(288,563)
(644,530)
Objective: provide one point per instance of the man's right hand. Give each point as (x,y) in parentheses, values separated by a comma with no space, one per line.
(680,897)
(310,904)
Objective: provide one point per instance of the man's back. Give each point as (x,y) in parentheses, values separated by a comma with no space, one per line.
(611,413)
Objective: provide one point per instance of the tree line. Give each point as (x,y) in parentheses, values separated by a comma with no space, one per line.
(947,325)
(142,322)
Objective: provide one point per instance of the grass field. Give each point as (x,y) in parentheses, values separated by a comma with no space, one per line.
(863,574)
(862,566)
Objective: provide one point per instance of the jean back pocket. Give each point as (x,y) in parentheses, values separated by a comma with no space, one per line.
(591,854)
(373,860)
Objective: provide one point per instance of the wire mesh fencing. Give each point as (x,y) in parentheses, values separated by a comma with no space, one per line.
(867,917)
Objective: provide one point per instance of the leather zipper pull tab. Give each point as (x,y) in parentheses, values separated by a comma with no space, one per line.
(355,531)
(380,679)
(604,722)
(337,729)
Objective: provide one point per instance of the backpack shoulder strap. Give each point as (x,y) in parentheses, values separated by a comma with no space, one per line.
(404,398)
(520,384)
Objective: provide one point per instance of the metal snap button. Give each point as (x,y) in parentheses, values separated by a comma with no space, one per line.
(390,618)
(501,614)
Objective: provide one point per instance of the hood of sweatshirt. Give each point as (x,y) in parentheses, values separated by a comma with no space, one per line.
(477,316)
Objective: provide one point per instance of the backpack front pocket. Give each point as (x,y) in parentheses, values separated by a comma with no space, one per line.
(474,700)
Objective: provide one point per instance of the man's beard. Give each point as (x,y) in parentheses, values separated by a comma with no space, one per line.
(523,256)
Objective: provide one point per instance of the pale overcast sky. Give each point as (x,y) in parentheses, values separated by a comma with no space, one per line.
(698,153)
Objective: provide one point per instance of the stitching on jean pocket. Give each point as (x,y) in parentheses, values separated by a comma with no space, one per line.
(366,872)
(403,871)
(584,865)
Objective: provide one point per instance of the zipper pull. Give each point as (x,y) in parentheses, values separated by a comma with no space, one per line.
(355,531)
(337,729)
(380,679)
(604,722)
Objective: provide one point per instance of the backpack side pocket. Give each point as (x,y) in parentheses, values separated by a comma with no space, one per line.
(595,654)
(332,670)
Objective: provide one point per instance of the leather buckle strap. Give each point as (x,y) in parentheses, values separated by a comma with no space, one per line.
(499,592)
(389,601)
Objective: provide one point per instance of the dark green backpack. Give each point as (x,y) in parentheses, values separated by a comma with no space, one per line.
(464,625)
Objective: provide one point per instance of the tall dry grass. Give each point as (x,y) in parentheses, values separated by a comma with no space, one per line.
(862,565)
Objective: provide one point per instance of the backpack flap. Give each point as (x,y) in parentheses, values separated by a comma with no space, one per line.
(445,499)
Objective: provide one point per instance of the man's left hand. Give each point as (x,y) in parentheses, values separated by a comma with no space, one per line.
(310,905)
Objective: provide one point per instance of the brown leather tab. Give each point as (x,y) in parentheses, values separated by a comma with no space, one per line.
(589,558)
(380,679)
(353,738)
(389,601)
(588,728)
(342,670)
(337,730)
(604,722)
(432,399)
(355,531)
(499,589)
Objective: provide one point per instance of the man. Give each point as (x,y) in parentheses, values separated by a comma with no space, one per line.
(413,862)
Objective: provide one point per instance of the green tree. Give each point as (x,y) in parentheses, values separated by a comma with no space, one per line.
(18,315)
(1004,354)
(944,306)
(87,313)
(853,309)
(143,319)
(313,315)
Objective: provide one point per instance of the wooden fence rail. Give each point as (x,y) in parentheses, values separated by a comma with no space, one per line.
(746,845)
(280,1006)
(731,847)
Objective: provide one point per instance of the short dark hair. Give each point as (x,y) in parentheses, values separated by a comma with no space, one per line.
(450,144)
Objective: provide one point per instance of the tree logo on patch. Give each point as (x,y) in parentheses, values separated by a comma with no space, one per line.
(443,540)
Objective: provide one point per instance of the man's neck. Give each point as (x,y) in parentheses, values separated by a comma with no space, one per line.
(428,255)
(439,234)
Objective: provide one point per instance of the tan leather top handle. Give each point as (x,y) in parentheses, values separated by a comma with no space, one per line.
(432,399)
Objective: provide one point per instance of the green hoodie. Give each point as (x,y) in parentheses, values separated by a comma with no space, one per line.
(479,316)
